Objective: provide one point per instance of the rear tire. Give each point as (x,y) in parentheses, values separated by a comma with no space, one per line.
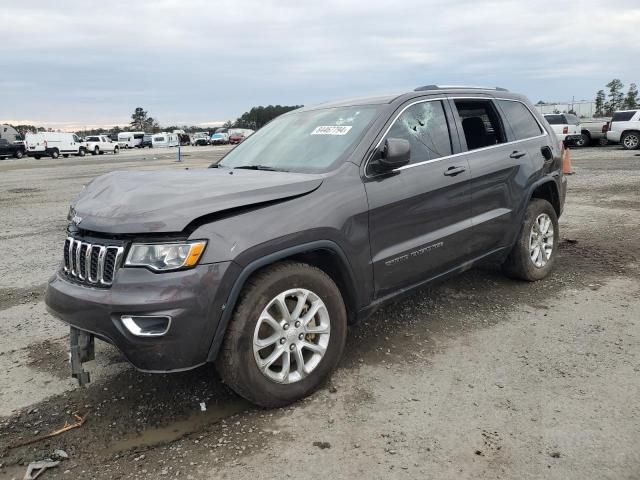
(19,154)
(116,150)
(520,263)
(95,151)
(630,140)
(583,141)
(241,351)
(37,157)
(55,154)
(82,152)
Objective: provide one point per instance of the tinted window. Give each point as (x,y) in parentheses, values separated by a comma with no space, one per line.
(572,119)
(522,122)
(93,139)
(555,119)
(480,123)
(424,125)
(623,116)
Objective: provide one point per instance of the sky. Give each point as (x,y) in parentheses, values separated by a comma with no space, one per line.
(76,64)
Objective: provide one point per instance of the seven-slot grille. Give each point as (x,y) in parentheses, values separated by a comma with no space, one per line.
(90,263)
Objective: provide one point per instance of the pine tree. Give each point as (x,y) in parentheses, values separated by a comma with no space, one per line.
(616,97)
(600,100)
(631,100)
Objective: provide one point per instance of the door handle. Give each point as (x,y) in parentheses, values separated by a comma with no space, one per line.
(453,171)
(517,154)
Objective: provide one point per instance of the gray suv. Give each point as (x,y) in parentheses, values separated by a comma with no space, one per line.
(260,262)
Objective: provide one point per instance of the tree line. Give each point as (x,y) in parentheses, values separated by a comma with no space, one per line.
(141,121)
(615,99)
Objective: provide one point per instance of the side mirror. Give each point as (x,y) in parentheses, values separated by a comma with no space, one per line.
(395,153)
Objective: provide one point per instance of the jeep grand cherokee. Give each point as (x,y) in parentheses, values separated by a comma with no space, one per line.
(260,262)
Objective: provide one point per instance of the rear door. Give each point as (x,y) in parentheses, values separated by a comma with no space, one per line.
(419,215)
(499,171)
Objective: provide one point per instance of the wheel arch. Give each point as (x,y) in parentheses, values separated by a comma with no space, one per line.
(323,254)
(547,189)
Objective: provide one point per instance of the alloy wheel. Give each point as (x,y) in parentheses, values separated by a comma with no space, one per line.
(291,336)
(541,240)
(631,141)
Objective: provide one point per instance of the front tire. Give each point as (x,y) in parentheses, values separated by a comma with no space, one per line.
(19,154)
(116,150)
(82,152)
(286,336)
(65,155)
(95,151)
(535,250)
(630,141)
(55,154)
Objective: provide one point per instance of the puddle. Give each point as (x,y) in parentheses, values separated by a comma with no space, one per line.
(196,421)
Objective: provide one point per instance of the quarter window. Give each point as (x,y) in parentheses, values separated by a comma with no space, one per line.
(522,122)
(480,123)
(425,126)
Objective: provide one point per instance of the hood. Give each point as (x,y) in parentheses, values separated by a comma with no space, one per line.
(168,200)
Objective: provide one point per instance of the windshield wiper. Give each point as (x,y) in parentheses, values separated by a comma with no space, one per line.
(217,165)
(259,167)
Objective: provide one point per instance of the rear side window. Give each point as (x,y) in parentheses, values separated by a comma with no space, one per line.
(623,116)
(480,123)
(555,119)
(425,126)
(522,122)
(572,119)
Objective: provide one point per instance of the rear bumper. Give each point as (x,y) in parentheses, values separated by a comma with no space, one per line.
(193,299)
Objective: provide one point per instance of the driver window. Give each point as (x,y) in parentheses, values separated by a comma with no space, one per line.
(425,126)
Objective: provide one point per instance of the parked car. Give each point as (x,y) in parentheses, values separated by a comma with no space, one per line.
(625,129)
(130,139)
(594,131)
(220,139)
(260,262)
(11,149)
(200,139)
(567,127)
(236,138)
(54,144)
(147,141)
(165,139)
(98,144)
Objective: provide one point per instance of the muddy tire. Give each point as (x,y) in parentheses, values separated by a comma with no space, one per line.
(286,335)
(536,248)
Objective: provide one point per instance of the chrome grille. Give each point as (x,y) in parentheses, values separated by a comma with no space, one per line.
(91,263)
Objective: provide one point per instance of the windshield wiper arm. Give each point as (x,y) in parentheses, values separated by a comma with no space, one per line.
(217,165)
(259,167)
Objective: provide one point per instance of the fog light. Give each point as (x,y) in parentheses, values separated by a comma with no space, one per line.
(147,325)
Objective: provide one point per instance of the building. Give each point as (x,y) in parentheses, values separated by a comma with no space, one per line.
(9,133)
(582,108)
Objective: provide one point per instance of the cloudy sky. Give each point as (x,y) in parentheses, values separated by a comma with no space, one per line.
(70,64)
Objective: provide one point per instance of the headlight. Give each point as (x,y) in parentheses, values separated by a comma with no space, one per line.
(163,257)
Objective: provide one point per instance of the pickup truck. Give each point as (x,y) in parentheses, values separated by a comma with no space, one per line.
(567,128)
(594,131)
(98,144)
(8,149)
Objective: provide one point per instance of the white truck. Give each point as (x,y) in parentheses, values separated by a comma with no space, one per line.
(625,129)
(567,128)
(130,139)
(54,144)
(98,144)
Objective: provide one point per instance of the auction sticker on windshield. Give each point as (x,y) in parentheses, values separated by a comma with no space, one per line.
(331,130)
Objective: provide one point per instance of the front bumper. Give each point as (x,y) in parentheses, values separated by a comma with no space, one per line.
(193,298)
(613,136)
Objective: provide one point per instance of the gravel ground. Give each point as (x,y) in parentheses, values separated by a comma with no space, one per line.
(479,377)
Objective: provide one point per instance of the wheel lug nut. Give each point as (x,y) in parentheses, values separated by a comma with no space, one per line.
(286,326)
(292,347)
(282,340)
(297,324)
(301,336)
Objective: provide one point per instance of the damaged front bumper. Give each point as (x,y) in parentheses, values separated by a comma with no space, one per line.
(192,300)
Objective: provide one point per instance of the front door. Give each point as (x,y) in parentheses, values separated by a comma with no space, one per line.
(419,216)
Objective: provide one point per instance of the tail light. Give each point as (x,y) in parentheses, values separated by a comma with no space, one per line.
(605,127)
(565,130)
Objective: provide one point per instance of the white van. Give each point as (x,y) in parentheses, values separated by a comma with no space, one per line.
(165,139)
(130,139)
(54,144)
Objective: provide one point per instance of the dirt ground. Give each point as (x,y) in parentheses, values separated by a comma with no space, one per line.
(478,377)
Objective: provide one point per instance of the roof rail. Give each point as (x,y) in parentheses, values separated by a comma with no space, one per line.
(452,87)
